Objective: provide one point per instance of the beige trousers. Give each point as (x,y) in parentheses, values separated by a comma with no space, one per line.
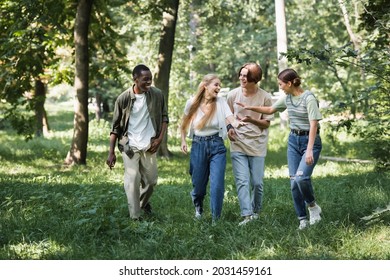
(139,180)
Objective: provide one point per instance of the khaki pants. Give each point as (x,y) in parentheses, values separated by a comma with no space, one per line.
(139,180)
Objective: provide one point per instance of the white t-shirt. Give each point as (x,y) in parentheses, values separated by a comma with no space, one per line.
(140,126)
(213,126)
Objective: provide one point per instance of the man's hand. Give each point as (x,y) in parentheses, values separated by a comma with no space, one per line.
(154,144)
(247,119)
(111,160)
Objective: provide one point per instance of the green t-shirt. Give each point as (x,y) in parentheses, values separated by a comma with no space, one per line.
(301,109)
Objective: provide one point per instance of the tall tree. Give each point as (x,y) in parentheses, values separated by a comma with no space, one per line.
(108,45)
(356,43)
(30,33)
(167,40)
(42,126)
(78,149)
(281,35)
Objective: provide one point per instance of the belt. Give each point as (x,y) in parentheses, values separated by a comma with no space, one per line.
(205,138)
(302,132)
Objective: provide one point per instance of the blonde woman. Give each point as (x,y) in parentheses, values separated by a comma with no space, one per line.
(208,119)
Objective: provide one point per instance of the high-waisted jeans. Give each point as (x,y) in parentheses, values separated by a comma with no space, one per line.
(300,172)
(208,162)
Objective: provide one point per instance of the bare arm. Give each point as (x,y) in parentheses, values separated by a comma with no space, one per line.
(111,160)
(183,145)
(263,124)
(259,109)
(312,135)
(231,132)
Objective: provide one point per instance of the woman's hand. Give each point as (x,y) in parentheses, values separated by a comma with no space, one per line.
(309,157)
(184,147)
(232,135)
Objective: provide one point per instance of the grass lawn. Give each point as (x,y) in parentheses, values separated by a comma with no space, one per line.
(48,211)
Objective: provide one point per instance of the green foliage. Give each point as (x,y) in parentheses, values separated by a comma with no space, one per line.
(211,36)
(352,78)
(219,36)
(108,46)
(31,32)
(37,43)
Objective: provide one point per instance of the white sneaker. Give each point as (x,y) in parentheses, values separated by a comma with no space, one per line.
(303,224)
(315,212)
(246,220)
(255,216)
(198,215)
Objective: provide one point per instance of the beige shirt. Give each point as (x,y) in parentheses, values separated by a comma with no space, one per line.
(251,139)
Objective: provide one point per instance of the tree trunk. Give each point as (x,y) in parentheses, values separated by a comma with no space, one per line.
(347,23)
(281,34)
(356,43)
(98,105)
(78,150)
(106,107)
(167,40)
(194,22)
(39,107)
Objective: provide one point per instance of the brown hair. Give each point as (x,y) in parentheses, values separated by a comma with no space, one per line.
(290,75)
(197,100)
(255,73)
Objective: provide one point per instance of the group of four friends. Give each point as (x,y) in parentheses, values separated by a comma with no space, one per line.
(140,122)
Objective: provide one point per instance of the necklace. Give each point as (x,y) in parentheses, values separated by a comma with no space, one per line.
(299,100)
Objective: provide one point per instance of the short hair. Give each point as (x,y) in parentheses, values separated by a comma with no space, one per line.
(255,73)
(137,71)
(290,75)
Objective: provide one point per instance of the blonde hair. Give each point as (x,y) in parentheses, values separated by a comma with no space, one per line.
(197,101)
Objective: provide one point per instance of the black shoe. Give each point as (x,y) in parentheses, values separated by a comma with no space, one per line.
(147,209)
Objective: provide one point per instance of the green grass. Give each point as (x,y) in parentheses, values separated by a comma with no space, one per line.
(48,211)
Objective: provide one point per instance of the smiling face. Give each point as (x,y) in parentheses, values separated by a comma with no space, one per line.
(286,87)
(212,89)
(143,82)
(243,77)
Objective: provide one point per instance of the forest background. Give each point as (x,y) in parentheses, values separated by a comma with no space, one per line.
(53,52)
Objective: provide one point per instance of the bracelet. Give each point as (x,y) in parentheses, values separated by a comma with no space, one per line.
(229,126)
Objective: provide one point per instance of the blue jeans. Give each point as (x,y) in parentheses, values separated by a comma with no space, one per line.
(208,161)
(300,172)
(248,173)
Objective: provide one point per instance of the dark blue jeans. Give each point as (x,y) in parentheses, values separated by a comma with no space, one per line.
(208,162)
(300,172)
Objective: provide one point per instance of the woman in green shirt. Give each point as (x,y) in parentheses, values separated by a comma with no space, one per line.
(304,142)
